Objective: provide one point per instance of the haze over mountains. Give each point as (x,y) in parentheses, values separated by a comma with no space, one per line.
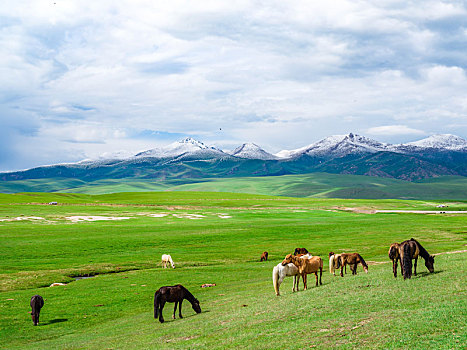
(434,156)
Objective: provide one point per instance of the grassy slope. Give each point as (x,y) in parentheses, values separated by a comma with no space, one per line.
(318,185)
(367,311)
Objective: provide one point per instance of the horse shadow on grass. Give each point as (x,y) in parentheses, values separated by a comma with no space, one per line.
(426,274)
(167,320)
(57,320)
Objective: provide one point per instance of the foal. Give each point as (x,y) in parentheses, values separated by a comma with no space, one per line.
(37,302)
(395,257)
(173,294)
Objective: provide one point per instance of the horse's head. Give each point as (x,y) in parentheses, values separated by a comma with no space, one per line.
(429,263)
(195,306)
(331,254)
(287,260)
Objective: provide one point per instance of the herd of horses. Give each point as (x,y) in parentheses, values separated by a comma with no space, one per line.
(302,263)
(299,264)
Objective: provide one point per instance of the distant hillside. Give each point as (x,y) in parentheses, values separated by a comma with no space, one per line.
(190,161)
(316,185)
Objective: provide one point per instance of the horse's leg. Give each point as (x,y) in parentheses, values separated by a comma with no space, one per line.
(305,281)
(415,267)
(161,307)
(175,309)
(180,309)
(342,270)
(316,275)
(320,275)
(294,284)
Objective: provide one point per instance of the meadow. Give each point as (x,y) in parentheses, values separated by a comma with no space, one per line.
(218,238)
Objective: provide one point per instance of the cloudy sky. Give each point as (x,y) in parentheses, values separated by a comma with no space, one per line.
(84,78)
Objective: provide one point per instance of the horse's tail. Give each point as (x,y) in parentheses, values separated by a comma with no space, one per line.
(364,264)
(275,279)
(331,264)
(406,261)
(156,304)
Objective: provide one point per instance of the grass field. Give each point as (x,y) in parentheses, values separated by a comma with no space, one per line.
(218,238)
(315,185)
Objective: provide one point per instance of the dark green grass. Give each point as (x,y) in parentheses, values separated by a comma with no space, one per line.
(316,185)
(114,310)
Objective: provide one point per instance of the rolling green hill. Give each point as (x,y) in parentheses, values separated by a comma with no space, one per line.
(319,185)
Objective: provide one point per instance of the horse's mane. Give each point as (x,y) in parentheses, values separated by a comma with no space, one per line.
(423,252)
(190,297)
(362,261)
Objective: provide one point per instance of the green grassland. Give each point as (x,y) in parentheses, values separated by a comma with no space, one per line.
(316,185)
(218,238)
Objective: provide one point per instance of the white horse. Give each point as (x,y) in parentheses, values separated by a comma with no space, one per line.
(280,272)
(166,258)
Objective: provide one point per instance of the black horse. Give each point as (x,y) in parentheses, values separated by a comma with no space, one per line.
(37,302)
(173,294)
(409,250)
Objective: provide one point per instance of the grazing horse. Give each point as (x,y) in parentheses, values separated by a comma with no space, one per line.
(264,256)
(409,250)
(306,266)
(166,258)
(334,263)
(173,294)
(279,272)
(299,251)
(37,302)
(352,259)
(395,257)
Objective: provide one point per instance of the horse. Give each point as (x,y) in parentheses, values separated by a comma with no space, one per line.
(37,302)
(394,255)
(279,272)
(173,294)
(352,259)
(306,266)
(299,251)
(264,256)
(409,250)
(166,258)
(334,263)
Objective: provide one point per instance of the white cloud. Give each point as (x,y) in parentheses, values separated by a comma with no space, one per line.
(394,130)
(282,74)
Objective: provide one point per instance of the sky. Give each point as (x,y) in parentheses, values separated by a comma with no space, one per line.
(85,79)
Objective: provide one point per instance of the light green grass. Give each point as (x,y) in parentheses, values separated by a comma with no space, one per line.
(115,310)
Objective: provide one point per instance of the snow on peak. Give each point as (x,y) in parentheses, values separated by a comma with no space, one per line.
(252,151)
(187,145)
(337,145)
(446,141)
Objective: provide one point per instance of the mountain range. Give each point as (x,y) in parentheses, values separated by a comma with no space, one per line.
(437,155)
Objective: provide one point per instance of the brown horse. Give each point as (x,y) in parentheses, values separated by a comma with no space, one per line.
(264,256)
(306,266)
(299,251)
(173,294)
(395,257)
(352,259)
(409,250)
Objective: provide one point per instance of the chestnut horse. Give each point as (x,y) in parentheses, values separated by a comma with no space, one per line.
(173,294)
(409,250)
(395,257)
(264,257)
(306,266)
(352,259)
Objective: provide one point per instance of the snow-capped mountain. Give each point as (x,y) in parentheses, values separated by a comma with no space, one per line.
(441,141)
(187,146)
(337,146)
(252,151)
